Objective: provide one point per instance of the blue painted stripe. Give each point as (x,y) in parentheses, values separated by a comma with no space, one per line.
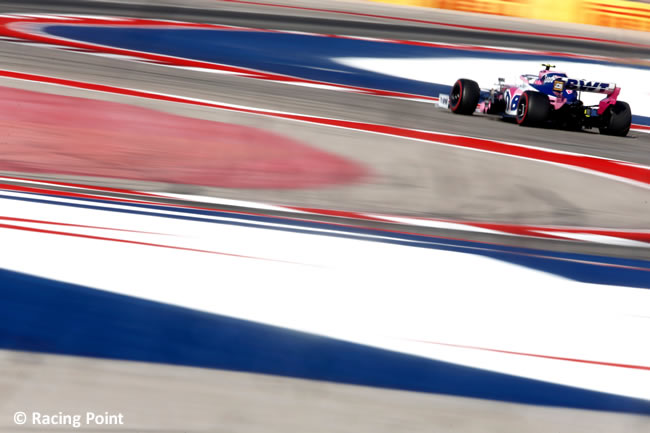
(579,267)
(640,120)
(305,56)
(49,316)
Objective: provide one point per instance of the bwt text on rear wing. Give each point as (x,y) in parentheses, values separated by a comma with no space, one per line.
(589,86)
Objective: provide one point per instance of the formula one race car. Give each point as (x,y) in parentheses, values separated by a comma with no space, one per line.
(547,98)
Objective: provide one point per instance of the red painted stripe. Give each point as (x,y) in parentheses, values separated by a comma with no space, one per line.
(557,358)
(126,241)
(438,23)
(24,220)
(69,194)
(534,231)
(78,185)
(7,29)
(529,231)
(73,195)
(483,246)
(514,230)
(520,230)
(342,214)
(337,213)
(631,235)
(609,167)
(641,127)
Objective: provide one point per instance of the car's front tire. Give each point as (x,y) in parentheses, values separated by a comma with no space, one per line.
(464,96)
(617,119)
(533,108)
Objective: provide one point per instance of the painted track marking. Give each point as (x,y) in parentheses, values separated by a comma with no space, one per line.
(623,171)
(12,26)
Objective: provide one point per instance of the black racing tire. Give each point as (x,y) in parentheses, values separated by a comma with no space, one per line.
(533,108)
(464,96)
(617,119)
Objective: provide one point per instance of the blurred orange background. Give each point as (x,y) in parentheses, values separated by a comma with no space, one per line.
(621,14)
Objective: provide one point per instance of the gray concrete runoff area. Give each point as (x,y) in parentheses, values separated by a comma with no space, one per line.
(160,398)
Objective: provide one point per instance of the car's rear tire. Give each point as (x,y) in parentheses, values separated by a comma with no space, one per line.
(533,108)
(464,96)
(617,119)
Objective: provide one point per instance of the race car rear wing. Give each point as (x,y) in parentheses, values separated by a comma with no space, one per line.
(589,86)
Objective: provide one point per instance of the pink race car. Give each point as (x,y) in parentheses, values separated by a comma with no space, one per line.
(547,98)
